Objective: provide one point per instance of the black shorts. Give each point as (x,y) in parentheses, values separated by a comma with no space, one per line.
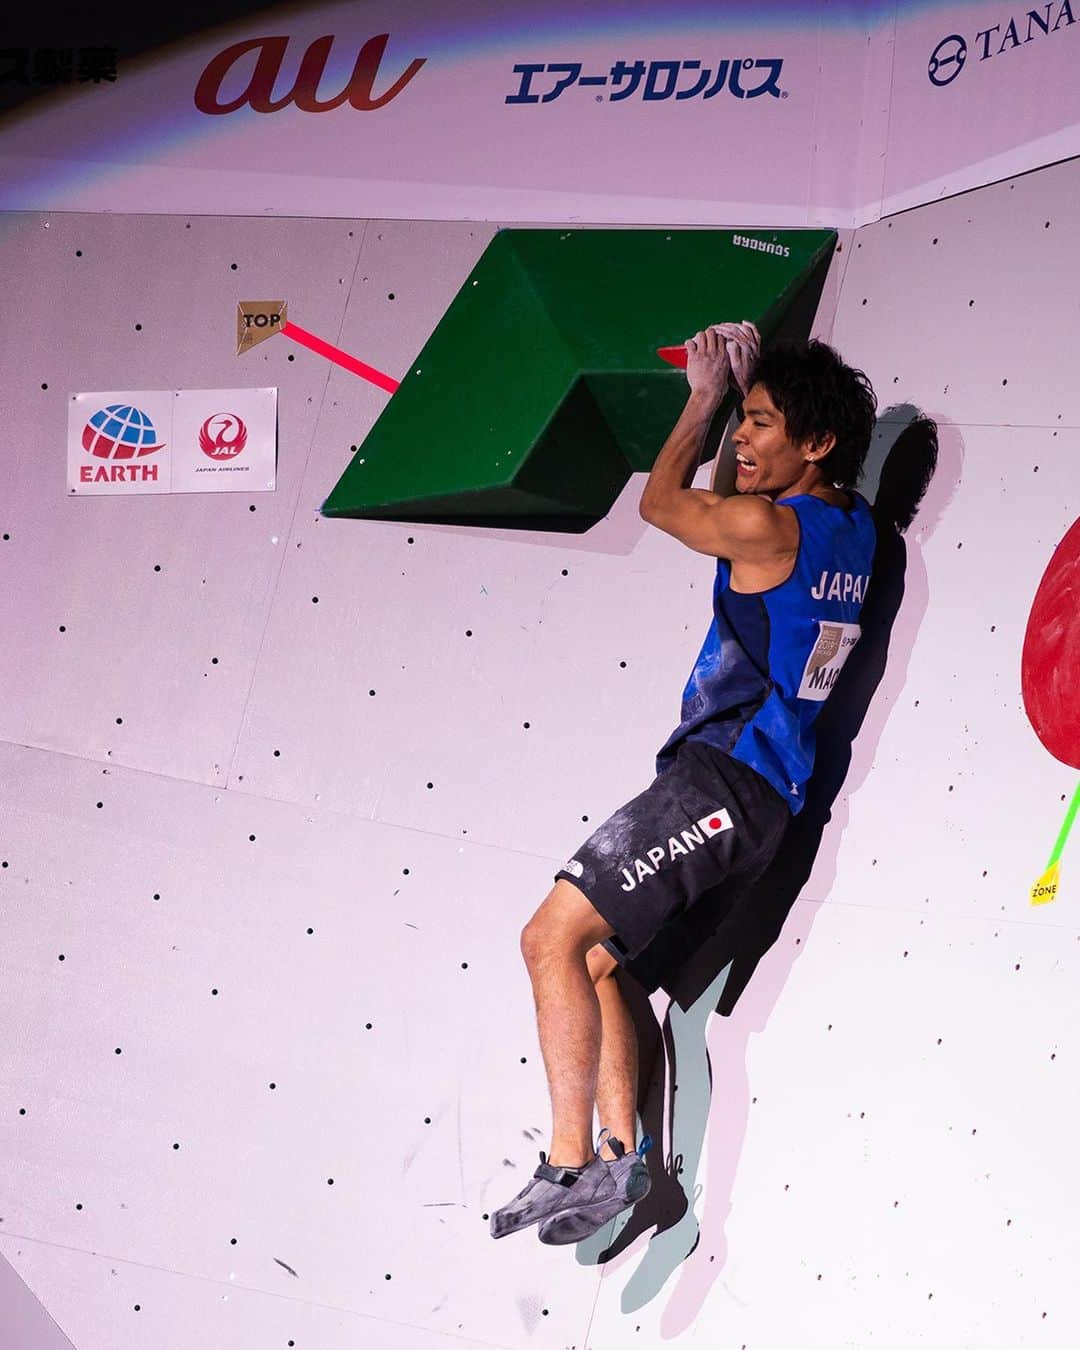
(707,822)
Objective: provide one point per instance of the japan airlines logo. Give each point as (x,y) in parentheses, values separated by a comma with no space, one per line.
(222,436)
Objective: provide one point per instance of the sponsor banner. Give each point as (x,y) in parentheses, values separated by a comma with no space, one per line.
(621,111)
(381,110)
(172,440)
(982,91)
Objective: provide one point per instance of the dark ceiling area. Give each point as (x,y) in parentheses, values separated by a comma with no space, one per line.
(38,51)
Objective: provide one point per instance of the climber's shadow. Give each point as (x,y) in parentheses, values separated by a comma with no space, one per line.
(687,958)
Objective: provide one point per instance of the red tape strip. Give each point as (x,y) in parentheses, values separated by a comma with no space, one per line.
(335,354)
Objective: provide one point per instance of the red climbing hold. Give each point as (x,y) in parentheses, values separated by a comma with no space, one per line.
(1050,665)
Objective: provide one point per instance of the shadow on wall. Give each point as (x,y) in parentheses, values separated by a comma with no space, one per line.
(729,936)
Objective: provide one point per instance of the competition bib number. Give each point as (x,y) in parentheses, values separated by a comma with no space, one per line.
(833,646)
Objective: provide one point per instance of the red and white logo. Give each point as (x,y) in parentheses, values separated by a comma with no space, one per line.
(717,821)
(120,431)
(222,436)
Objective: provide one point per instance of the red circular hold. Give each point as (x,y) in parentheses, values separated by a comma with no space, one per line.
(1050,666)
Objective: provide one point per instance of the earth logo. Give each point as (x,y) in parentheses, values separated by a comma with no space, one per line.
(120,432)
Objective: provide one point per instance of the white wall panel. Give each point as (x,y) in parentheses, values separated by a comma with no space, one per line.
(141,644)
(970,308)
(883,1163)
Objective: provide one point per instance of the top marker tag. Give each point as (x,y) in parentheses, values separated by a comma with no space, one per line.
(257,320)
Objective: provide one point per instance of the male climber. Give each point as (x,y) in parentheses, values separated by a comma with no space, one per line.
(794,546)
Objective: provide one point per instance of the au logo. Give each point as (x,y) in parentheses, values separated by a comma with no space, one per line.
(272,51)
(257,320)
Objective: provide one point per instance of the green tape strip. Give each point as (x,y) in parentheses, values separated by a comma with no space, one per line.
(1070,816)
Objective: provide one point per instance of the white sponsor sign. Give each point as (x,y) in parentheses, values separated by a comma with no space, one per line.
(172,440)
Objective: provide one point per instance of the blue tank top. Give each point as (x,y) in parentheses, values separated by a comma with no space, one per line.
(769,659)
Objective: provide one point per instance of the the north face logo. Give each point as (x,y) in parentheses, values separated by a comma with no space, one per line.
(713,823)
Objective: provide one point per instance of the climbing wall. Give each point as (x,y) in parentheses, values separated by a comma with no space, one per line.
(279,792)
